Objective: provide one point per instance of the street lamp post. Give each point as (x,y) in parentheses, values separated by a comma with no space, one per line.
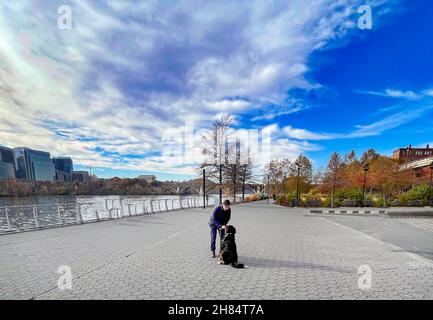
(297,185)
(366,167)
(430,186)
(204,188)
(267,197)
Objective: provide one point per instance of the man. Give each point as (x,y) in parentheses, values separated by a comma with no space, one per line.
(219,219)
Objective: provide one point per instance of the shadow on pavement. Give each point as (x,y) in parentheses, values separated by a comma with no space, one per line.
(276,264)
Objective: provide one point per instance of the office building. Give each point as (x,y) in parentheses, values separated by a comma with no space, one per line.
(7,163)
(64,168)
(81,176)
(34,165)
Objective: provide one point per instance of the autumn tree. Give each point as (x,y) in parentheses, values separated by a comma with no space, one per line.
(300,175)
(277,171)
(333,168)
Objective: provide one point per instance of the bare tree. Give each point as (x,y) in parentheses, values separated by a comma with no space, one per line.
(216,150)
(277,171)
(245,172)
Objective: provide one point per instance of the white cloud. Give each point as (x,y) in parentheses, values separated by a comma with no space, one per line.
(302,134)
(125,74)
(394,94)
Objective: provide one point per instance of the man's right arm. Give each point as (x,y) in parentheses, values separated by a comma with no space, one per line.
(214,218)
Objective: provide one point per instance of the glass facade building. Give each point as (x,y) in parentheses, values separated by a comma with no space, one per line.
(34,165)
(7,163)
(64,168)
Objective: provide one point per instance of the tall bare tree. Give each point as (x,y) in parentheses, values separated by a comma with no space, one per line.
(216,150)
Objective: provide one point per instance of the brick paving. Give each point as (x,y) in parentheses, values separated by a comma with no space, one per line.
(289,254)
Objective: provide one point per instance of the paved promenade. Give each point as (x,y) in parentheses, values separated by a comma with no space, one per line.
(290,255)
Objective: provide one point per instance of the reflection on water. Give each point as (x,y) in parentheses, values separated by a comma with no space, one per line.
(35,212)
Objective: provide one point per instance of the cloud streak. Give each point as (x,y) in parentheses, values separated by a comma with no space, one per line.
(110,87)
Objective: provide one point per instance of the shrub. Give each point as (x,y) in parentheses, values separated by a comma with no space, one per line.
(368,203)
(380,203)
(311,202)
(416,193)
(349,194)
(253,197)
(415,203)
(395,203)
(328,203)
(348,203)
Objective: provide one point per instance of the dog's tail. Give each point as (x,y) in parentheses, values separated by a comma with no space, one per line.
(237,265)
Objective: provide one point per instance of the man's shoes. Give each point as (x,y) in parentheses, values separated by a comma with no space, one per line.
(213,254)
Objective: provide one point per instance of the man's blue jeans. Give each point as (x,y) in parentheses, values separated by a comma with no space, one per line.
(213,233)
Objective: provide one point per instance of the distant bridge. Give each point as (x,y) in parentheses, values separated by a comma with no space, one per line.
(195,187)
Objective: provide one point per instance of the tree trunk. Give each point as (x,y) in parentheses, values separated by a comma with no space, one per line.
(243,189)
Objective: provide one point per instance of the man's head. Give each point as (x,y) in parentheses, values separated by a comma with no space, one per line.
(226,205)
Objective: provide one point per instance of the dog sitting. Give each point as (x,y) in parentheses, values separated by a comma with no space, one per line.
(228,252)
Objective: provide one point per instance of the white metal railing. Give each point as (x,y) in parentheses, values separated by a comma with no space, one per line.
(35,217)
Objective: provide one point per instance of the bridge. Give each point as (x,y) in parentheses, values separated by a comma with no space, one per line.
(196,187)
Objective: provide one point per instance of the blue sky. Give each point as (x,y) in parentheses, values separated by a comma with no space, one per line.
(109,90)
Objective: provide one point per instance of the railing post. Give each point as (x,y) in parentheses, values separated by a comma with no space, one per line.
(121,208)
(59,215)
(159,205)
(79,217)
(195,204)
(151,207)
(180,203)
(129,209)
(97,215)
(35,216)
(144,207)
(172,204)
(166,205)
(7,219)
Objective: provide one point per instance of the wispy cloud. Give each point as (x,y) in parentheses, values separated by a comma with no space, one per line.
(125,73)
(391,93)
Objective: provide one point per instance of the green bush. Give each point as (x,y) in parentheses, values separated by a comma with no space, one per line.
(380,203)
(417,196)
(415,203)
(311,201)
(348,203)
(349,194)
(395,203)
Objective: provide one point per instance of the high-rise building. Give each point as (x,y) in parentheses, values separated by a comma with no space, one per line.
(81,176)
(7,163)
(34,165)
(64,168)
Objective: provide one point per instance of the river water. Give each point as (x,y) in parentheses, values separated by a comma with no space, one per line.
(17,214)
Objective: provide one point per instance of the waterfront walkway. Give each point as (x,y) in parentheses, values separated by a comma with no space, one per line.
(290,255)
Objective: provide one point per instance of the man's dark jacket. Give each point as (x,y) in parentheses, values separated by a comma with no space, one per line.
(220,217)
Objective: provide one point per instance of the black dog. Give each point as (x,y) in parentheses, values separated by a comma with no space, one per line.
(228,252)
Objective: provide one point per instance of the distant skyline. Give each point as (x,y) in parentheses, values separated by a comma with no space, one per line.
(105,92)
